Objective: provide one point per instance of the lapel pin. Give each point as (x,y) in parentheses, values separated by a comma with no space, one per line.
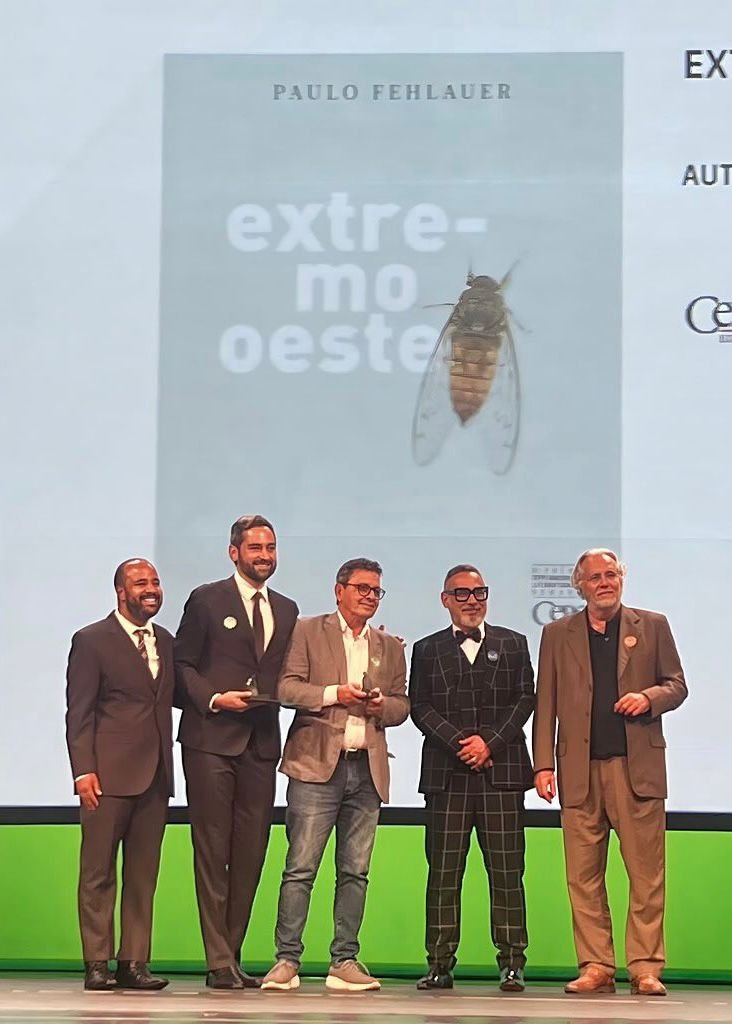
(230,622)
(492,655)
(630,641)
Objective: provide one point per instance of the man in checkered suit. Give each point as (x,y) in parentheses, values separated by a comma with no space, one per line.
(472,691)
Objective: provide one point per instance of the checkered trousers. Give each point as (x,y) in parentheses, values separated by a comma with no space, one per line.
(497,816)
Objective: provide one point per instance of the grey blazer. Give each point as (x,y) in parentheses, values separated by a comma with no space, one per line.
(316,659)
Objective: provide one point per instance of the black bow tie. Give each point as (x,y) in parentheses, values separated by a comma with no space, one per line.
(472,634)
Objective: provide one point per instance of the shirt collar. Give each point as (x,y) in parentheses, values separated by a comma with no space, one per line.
(130,627)
(247,591)
(612,626)
(346,629)
(481,627)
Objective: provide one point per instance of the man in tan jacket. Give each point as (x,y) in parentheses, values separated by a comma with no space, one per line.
(348,683)
(606,675)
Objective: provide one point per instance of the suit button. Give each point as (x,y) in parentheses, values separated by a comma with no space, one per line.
(586,740)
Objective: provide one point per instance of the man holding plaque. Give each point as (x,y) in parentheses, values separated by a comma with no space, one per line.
(348,682)
(228,651)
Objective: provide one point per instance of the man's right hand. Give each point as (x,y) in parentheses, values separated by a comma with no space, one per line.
(546,786)
(351,694)
(233,700)
(89,791)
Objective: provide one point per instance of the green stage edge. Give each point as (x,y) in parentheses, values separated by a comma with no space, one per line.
(38,926)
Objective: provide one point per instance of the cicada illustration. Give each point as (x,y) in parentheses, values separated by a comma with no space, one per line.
(472,377)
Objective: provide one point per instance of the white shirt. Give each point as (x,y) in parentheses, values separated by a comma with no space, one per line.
(469,647)
(153,659)
(247,592)
(356,648)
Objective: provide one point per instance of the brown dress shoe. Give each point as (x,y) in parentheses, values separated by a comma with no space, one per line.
(647,985)
(592,979)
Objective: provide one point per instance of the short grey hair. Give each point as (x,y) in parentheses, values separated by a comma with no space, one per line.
(577,575)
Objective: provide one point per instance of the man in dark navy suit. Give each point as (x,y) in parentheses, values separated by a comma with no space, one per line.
(229,650)
(119,731)
(472,691)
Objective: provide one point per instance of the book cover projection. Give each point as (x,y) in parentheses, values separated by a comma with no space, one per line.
(390,316)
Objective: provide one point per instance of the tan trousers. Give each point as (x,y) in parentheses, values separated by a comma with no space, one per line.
(639,823)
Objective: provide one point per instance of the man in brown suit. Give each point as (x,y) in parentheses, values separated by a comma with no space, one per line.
(606,675)
(120,683)
(348,682)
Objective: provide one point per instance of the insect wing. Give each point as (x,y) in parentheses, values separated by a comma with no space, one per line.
(499,419)
(434,415)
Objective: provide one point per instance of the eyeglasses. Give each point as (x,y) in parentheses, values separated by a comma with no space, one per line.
(462,594)
(364,590)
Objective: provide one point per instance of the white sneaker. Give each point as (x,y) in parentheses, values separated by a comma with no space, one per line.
(350,976)
(282,976)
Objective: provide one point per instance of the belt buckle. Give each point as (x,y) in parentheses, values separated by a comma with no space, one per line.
(352,755)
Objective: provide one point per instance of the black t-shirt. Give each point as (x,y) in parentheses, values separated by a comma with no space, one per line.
(607,735)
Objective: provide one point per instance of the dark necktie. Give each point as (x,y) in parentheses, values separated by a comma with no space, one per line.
(472,634)
(257,625)
(140,634)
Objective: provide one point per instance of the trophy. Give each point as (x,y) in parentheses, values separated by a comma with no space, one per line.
(257,696)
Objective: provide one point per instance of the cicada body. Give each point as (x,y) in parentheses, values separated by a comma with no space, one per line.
(472,377)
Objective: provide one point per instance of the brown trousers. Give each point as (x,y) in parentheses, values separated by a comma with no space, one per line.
(639,823)
(138,823)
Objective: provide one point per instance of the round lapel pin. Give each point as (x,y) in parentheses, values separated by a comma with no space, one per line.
(230,622)
(630,642)
(492,655)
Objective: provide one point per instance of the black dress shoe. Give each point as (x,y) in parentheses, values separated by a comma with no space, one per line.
(98,977)
(225,979)
(435,979)
(249,980)
(512,980)
(134,974)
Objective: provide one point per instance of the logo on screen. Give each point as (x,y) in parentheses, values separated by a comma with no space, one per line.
(701,64)
(551,611)
(707,174)
(708,314)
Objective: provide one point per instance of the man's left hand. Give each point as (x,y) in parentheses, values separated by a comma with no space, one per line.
(632,704)
(475,752)
(375,706)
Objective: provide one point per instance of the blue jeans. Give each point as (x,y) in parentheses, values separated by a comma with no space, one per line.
(349,802)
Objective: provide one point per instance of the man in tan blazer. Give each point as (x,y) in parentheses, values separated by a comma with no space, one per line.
(606,675)
(348,683)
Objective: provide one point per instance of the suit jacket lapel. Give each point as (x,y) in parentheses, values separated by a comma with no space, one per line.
(448,658)
(334,639)
(578,642)
(165,667)
(492,644)
(376,656)
(277,604)
(629,635)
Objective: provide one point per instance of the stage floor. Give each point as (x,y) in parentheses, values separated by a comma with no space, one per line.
(44,999)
